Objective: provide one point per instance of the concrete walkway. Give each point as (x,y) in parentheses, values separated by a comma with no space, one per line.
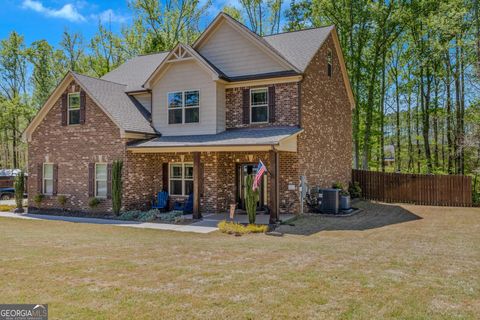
(119,223)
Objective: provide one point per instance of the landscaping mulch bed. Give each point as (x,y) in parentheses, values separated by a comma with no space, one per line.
(105,215)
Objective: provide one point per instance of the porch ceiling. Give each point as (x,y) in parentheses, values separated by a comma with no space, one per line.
(244,139)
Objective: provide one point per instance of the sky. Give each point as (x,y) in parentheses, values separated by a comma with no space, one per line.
(47,19)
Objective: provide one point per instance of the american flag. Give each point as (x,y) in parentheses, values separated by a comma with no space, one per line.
(258,177)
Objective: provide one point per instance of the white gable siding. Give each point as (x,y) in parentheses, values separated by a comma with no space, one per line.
(235,55)
(180,76)
(145,99)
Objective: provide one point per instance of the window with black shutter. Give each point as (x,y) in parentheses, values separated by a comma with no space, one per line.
(73,108)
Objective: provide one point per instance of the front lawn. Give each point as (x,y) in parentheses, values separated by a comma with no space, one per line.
(416,263)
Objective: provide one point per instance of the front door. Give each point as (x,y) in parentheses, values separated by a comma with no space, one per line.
(243,170)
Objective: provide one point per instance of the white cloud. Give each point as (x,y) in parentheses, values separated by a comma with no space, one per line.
(109,16)
(68,11)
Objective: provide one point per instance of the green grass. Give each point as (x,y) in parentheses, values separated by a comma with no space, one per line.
(421,269)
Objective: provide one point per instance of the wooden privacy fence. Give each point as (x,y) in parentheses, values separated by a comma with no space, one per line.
(425,189)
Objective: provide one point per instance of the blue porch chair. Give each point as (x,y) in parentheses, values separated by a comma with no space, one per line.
(162,201)
(185,206)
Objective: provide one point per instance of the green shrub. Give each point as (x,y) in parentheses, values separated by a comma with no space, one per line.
(19,189)
(355,190)
(38,198)
(6,207)
(239,229)
(93,202)
(251,199)
(170,216)
(337,185)
(117,186)
(62,200)
(147,216)
(130,215)
(476,199)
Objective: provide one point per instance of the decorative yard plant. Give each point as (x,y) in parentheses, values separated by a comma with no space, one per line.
(38,198)
(117,186)
(93,202)
(62,201)
(251,199)
(19,190)
(355,190)
(239,229)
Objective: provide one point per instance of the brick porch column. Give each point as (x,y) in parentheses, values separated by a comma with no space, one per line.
(196,185)
(273,198)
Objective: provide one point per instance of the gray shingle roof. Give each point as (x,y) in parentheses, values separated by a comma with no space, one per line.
(126,112)
(232,137)
(299,47)
(134,72)
(296,47)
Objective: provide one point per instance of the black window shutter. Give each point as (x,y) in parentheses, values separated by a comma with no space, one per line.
(246,105)
(40,178)
(165,176)
(91,179)
(64,109)
(109,181)
(271,104)
(83,103)
(55,179)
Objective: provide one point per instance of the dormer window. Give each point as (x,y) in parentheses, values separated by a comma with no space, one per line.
(329,63)
(184,107)
(74,108)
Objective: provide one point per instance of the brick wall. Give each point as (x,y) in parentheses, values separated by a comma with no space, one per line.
(72,148)
(325,147)
(286,106)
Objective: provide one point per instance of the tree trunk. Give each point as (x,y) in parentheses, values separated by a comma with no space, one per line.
(435,126)
(450,147)
(369,115)
(424,103)
(398,159)
(382,115)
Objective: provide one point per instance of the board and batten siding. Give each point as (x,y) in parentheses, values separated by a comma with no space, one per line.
(181,76)
(221,109)
(145,99)
(236,55)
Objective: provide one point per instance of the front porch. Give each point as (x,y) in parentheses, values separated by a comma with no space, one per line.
(215,176)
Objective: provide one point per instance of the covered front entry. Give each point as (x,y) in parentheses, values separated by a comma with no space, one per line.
(218,165)
(243,170)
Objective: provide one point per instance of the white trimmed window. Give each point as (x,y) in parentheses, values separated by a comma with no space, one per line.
(259,105)
(101,180)
(48,178)
(183,107)
(181,179)
(74,108)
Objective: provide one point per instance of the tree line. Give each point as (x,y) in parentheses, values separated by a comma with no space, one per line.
(414,67)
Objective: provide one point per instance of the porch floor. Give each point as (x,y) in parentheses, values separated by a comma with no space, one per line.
(212,219)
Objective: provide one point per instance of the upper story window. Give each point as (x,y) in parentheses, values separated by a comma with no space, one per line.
(100,180)
(48,178)
(259,105)
(329,63)
(74,108)
(181,179)
(184,107)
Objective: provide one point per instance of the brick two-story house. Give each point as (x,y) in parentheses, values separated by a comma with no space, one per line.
(198,119)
